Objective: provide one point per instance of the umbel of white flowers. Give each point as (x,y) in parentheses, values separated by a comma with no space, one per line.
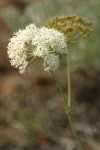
(33,42)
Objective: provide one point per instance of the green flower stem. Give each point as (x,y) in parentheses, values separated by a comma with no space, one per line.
(71,124)
(69,83)
(67,101)
(68,107)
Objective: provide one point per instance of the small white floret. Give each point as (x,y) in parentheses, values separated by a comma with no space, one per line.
(51,62)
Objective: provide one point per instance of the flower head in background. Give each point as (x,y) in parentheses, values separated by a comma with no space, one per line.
(73,27)
(34,42)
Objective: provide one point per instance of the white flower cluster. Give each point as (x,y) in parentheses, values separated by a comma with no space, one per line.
(49,41)
(41,42)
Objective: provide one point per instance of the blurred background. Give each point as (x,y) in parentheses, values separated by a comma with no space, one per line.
(32,113)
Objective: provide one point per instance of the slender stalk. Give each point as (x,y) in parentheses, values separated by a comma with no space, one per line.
(67,101)
(68,107)
(68,82)
(71,124)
